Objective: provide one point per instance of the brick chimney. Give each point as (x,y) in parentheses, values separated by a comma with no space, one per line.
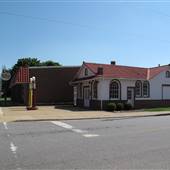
(113,62)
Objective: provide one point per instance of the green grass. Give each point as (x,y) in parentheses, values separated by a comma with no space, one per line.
(158,109)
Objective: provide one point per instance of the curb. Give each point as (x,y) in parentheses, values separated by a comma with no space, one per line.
(119,118)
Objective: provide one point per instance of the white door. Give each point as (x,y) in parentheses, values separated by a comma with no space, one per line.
(86,97)
(131,96)
(166,92)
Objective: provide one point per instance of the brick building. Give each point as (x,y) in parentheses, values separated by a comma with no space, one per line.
(52,84)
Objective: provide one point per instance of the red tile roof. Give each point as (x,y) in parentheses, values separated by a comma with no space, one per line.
(127,72)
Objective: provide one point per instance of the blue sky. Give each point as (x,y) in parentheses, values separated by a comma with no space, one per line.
(135,33)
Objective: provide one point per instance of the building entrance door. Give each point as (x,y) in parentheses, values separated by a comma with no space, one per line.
(131,95)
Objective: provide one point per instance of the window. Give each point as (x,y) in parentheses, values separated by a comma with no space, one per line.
(95,84)
(86,72)
(168,74)
(146,89)
(114,90)
(138,88)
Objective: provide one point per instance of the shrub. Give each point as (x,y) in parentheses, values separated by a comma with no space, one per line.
(128,106)
(120,106)
(111,107)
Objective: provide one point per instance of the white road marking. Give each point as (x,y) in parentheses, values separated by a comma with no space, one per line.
(79,131)
(90,135)
(5,125)
(67,126)
(62,124)
(1,112)
(13,148)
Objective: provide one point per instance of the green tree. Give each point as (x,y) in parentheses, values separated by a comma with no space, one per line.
(50,63)
(32,62)
(25,62)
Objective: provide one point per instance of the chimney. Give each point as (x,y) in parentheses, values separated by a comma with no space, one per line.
(100,71)
(159,65)
(113,62)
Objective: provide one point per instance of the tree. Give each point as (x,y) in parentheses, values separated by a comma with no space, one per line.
(25,62)
(32,62)
(50,63)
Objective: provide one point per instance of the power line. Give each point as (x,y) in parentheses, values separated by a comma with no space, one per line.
(44,19)
(90,1)
(84,26)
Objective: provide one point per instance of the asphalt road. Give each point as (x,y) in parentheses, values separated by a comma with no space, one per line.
(139,143)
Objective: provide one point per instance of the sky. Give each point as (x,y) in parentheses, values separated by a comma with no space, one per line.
(133,33)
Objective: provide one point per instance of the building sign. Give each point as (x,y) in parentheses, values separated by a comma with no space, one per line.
(6,75)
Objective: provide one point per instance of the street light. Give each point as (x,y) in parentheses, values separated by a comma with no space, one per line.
(32,94)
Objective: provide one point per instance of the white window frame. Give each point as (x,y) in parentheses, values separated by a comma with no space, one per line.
(148,89)
(141,86)
(167,74)
(119,93)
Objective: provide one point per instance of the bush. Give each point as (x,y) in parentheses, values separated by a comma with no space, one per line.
(128,106)
(120,106)
(111,107)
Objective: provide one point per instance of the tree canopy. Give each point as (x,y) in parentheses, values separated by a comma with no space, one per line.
(49,63)
(32,62)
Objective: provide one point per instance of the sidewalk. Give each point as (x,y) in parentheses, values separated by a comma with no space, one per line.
(9,114)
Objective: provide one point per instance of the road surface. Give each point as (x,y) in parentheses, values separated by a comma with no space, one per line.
(138,143)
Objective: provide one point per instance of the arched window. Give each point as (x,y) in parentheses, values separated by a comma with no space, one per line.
(146,88)
(95,84)
(167,74)
(138,88)
(115,90)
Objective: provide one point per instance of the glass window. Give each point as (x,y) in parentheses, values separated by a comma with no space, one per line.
(114,90)
(86,72)
(146,89)
(168,74)
(138,88)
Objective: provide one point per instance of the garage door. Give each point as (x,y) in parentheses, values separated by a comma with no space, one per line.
(166,92)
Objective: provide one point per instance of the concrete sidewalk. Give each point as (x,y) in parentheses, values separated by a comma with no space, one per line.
(8,114)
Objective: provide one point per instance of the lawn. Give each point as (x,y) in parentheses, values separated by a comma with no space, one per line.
(158,109)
